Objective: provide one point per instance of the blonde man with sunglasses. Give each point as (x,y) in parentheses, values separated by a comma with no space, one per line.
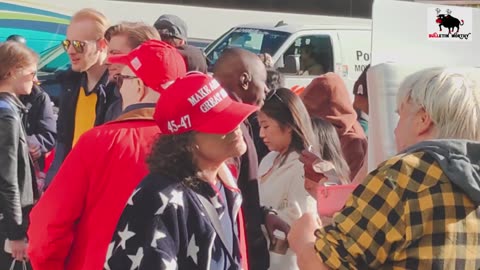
(86,93)
(73,223)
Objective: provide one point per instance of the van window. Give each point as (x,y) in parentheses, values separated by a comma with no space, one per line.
(308,55)
(255,40)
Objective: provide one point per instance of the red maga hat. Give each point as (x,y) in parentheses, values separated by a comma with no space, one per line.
(197,102)
(154,62)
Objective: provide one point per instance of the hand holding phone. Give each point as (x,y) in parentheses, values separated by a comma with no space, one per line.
(316,169)
(308,158)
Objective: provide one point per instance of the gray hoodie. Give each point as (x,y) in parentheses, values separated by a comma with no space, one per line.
(459,160)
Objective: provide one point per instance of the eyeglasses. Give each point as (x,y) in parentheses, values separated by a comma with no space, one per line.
(32,75)
(119,79)
(78,45)
(273,93)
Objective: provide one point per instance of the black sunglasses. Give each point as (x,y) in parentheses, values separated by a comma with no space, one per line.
(273,93)
(119,79)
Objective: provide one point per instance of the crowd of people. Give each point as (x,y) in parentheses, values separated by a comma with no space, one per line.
(160,165)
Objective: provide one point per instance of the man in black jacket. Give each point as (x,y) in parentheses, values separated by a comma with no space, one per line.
(244,76)
(86,93)
(41,127)
(173,31)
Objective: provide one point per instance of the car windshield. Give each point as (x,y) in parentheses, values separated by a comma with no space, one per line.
(254,40)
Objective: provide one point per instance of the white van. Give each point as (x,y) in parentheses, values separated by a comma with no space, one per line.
(343,49)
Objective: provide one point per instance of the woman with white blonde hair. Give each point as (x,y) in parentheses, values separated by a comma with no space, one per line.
(450,97)
(419,209)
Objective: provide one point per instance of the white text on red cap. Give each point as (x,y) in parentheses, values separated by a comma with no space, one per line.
(213,101)
(183,123)
(203,92)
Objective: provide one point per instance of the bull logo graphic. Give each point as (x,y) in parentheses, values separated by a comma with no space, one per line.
(448,21)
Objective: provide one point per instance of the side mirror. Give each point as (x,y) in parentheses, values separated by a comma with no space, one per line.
(292,64)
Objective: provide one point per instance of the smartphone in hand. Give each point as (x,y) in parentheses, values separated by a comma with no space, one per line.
(324,167)
(308,158)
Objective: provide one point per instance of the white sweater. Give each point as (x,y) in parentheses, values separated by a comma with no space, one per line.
(282,188)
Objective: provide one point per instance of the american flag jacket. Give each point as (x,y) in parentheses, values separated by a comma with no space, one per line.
(169,225)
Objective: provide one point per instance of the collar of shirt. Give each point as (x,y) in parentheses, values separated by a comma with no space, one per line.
(363,115)
(15,101)
(138,106)
(102,82)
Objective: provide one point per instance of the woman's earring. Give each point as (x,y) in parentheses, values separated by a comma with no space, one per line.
(197,147)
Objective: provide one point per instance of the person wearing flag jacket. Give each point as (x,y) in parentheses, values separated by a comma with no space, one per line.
(187,214)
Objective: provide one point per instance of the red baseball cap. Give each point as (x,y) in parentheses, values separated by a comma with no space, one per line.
(197,102)
(154,62)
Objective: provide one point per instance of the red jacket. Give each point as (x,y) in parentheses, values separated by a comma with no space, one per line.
(73,223)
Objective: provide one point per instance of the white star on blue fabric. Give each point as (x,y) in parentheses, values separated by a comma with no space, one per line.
(170,265)
(124,236)
(164,200)
(109,254)
(157,236)
(136,259)
(177,198)
(130,200)
(193,249)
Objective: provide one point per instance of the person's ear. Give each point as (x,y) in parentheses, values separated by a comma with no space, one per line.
(423,122)
(102,44)
(245,80)
(9,75)
(289,130)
